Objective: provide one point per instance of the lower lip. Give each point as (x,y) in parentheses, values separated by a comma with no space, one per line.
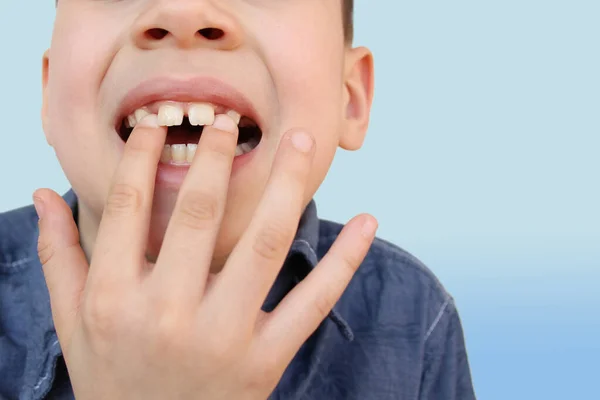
(172,175)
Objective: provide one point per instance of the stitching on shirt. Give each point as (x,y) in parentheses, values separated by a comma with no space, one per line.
(437,319)
(47,376)
(17,263)
(307,245)
(36,387)
(306,382)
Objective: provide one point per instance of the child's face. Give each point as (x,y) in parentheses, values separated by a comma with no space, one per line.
(287,58)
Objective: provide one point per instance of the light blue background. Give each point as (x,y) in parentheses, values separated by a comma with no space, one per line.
(482,160)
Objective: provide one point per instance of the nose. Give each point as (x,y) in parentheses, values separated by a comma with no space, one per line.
(187,24)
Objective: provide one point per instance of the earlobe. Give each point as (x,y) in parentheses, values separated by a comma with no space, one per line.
(44,111)
(359,90)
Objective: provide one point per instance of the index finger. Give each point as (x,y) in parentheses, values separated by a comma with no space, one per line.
(123,231)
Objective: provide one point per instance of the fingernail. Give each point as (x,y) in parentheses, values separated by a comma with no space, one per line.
(149,121)
(38,203)
(224,123)
(369,227)
(302,141)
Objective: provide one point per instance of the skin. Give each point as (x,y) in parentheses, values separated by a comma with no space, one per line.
(163,301)
(99,52)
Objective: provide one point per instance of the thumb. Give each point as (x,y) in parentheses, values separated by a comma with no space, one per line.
(63,261)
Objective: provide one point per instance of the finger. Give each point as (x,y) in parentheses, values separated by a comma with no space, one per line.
(63,261)
(185,258)
(123,231)
(306,306)
(255,262)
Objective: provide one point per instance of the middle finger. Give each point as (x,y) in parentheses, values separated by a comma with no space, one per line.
(186,254)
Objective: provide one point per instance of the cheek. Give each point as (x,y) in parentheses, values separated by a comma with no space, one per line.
(77,62)
(79,55)
(307,71)
(305,60)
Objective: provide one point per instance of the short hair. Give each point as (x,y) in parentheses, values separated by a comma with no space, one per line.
(348,19)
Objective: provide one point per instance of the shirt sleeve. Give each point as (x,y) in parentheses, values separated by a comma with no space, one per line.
(446,372)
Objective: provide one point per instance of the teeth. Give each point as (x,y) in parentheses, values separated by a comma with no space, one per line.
(191,152)
(185,153)
(131,121)
(178,153)
(139,115)
(234,116)
(166,154)
(201,114)
(243,148)
(170,115)
(246,147)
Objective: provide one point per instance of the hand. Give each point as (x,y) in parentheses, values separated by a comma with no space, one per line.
(130,329)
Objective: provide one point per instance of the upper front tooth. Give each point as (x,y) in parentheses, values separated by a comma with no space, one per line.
(139,114)
(170,115)
(201,114)
(235,116)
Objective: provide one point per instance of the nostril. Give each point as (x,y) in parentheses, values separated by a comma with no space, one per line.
(212,33)
(156,33)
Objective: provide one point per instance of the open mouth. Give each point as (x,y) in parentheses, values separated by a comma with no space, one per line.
(185,122)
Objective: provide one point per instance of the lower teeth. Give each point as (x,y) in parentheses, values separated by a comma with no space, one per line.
(184,154)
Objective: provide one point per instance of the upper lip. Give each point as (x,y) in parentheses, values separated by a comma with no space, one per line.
(199,89)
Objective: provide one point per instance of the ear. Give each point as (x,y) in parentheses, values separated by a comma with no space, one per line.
(358,97)
(45,73)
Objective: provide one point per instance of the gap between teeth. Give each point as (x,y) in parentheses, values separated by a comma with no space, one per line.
(184,153)
(171,114)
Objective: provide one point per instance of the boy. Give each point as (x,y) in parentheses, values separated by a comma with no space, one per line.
(188,262)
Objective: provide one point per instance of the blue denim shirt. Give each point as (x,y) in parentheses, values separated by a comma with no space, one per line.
(394,334)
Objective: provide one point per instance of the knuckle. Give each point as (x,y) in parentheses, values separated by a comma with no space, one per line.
(267,370)
(124,199)
(323,305)
(221,144)
(219,349)
(296,169)
(169,329)
(100,315)
(296,175)
(141,143)
(349,262)
(198,210)
(258,380)
(45,250)
(272,241)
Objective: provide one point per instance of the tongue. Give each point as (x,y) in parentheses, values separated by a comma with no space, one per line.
(183,135)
